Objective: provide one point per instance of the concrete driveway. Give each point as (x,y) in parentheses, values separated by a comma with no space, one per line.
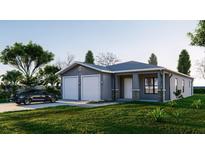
(6,107)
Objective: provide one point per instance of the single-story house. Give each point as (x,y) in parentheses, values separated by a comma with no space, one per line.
(124,81)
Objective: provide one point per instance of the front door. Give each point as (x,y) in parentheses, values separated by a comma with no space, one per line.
(128,88)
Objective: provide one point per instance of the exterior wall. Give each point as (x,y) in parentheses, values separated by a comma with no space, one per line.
(187,89)
(135,86)
(112,84)
(106,86)
(106,80)
(144,96)
(167,87)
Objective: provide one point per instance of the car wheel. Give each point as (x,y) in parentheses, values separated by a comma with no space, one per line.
(18,103)
(53,100)
(27,101)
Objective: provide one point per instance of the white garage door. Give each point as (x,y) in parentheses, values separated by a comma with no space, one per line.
(70,87)
(90,87)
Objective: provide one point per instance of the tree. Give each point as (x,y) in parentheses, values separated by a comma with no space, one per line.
(106,59)
(89,57)
(201,67)
(47,76)
(11,80)
(27,59)
(184,62)
(198,36)
(198,39)
(69,60)
(152,59)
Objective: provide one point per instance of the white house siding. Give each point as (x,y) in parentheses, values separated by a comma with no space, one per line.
(187,89)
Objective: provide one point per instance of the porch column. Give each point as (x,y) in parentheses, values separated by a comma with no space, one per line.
(161,86)
(115,87)
(135,86)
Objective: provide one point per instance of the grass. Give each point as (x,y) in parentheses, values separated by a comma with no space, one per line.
(124,118)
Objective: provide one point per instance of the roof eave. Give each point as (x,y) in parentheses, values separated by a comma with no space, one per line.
(179,73)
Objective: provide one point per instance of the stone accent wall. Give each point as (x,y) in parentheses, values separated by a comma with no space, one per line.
(135,94)
(115,94)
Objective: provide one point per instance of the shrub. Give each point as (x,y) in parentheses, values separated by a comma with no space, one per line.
(199,90)
(158,114)
(172,103)
(178,94)
(54,91)
(197,104)
(176,115)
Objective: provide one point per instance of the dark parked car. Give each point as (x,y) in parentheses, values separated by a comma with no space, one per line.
(34,96)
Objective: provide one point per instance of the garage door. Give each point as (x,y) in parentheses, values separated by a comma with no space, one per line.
(90,87)
(70,87)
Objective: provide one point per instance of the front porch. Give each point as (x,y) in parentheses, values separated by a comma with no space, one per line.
(142,86)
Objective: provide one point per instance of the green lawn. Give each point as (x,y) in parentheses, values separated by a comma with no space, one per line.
(122,118)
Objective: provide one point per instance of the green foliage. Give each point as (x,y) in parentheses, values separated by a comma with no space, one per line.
(26,58)
(184,62)
(172,103)
(198,36)
(124,118)
(158,114)
(10,82)
(54,91)
(47,76)
(178,94)
(89,58)
(197,104)
(176,115)
(153,59)
(199,90)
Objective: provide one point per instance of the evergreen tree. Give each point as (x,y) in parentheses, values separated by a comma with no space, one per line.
(89,57)
(152,59)
(184,62)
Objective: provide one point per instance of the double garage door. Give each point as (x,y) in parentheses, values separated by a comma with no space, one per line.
(85,88)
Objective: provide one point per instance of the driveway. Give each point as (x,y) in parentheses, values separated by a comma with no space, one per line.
(6,107)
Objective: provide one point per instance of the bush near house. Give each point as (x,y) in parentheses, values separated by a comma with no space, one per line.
(199,90)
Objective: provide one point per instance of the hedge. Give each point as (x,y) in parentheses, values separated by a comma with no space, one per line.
(199,90)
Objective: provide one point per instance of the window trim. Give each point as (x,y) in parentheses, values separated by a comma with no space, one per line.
(153,86)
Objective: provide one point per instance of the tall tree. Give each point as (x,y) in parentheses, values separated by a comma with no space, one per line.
(198,36)
(106,59)
(11,80)
(184,62)
(89,58)
(47,76)
(26,58)
(198,39)
(153,59)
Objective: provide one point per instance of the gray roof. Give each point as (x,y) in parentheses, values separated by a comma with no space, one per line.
(96,66)
(126,66)
(131,65)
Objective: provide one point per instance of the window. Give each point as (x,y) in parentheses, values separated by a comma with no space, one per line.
(151,85)
(183,85)
(176,84)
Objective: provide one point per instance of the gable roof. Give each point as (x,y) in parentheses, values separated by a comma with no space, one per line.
(130,66)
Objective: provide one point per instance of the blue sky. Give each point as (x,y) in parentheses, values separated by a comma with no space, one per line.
(129,40)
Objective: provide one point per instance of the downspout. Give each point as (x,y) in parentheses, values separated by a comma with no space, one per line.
(170,75)
(114,87)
